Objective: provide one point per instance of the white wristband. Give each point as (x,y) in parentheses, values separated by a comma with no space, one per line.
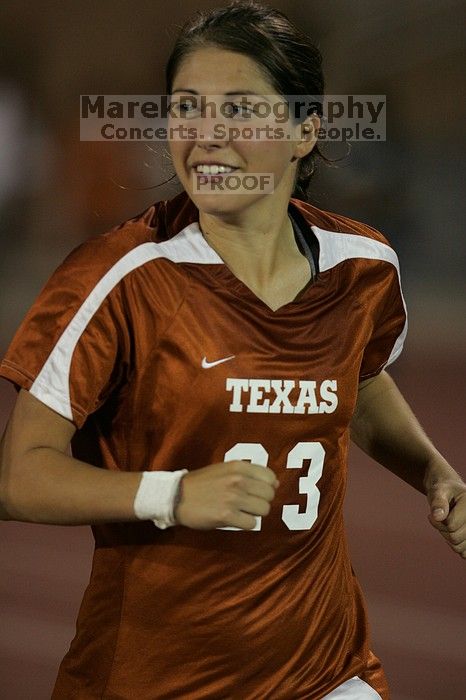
(155,496)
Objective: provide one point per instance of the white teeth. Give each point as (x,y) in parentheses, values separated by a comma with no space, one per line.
(214,169)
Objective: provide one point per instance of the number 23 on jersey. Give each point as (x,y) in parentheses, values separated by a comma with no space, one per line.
(313,451)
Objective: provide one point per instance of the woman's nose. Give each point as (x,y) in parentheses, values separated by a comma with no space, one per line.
(210,130)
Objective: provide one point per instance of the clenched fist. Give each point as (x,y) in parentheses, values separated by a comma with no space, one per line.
(227,494)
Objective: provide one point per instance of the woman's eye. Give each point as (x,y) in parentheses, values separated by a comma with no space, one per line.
(234,109)
(186,107)
(182,107)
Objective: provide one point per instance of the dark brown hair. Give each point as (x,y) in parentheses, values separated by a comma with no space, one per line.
(286,56)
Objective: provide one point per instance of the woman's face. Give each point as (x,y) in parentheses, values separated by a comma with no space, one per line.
(223,77)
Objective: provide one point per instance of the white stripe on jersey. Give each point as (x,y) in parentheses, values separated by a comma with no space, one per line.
(51,385)
(353,689)
(337,247)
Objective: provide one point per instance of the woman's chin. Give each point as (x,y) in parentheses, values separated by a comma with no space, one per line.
(211,203)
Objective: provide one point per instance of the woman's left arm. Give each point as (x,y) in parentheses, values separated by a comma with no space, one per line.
(384,426)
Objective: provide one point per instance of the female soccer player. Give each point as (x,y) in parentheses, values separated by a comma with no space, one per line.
(208,360)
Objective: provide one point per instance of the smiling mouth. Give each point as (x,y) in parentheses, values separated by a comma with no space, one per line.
(214,170)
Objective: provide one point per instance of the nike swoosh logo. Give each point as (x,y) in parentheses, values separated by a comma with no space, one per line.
(206,364)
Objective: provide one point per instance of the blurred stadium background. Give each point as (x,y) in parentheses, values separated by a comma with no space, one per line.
(55,191)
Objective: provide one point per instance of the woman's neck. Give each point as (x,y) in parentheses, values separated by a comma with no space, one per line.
(261,253)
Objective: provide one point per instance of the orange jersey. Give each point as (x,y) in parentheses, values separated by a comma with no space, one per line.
(163,360)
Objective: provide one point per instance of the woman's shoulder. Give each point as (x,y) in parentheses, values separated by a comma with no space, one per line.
(103,260)
(125,245)
(338,223)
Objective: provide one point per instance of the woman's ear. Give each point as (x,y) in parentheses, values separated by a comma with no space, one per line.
(306,136)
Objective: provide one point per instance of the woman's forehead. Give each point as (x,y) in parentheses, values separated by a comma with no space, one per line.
(231,72)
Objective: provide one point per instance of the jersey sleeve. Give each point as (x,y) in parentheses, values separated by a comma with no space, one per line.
(390,323)
(70,350)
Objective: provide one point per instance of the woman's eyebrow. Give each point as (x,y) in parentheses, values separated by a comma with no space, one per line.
(232,92)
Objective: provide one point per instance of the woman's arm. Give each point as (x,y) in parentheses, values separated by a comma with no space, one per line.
(384,427)
(39,483)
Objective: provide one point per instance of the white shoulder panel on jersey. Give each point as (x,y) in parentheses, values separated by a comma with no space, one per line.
(51,385)
(337,247)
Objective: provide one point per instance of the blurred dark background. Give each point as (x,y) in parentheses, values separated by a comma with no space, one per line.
(55,191)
